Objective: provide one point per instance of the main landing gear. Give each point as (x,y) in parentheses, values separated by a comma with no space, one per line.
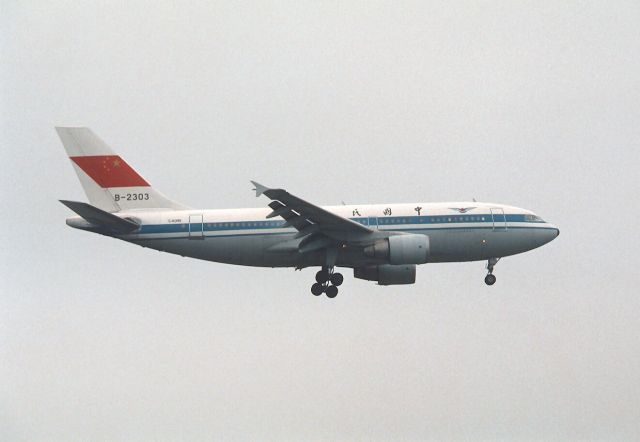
(327,281)
(490,279)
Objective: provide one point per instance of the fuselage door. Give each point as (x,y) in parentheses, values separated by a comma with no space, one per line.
(499,220)
(373,222)
(196,227)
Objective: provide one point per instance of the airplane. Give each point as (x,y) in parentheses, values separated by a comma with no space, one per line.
(381,242)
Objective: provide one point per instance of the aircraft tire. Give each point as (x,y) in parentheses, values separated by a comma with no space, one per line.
(490,279)
(317,289)
(322,276)
(337,279)
(332,291)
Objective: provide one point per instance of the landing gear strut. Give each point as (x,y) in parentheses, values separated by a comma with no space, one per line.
(490,279)
(327,281)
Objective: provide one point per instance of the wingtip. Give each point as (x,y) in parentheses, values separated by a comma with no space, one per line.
(259,188)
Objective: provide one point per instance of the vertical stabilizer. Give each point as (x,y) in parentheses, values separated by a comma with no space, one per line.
(109,182)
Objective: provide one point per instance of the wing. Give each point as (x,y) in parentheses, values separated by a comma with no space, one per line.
(318,227)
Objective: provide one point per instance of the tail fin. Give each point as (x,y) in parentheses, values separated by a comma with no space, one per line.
(109,182)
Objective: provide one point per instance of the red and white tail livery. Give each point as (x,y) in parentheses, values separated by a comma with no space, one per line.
(109,182)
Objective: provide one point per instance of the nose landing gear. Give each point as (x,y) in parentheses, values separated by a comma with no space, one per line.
(490,279)
(327,281)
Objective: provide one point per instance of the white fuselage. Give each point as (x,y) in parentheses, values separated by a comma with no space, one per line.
(466,231)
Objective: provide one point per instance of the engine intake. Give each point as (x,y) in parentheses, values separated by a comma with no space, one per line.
(387,274)
(401,249)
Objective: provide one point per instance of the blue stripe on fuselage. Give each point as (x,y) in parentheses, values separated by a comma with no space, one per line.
(444,221)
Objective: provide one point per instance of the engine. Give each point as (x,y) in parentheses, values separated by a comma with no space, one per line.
(387,274)
(401,249)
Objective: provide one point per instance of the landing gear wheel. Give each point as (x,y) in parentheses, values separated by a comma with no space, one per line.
(317,289)
(336,279)
(322,276)
(490,279)
(331,291)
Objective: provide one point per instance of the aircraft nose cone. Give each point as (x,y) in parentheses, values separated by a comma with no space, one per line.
(553,233)
(546,235)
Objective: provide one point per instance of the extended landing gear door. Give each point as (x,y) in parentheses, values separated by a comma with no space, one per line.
(499,220)
(196,227)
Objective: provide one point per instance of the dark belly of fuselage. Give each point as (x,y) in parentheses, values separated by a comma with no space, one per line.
(455,245)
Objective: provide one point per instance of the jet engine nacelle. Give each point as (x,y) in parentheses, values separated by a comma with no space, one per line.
(401,249)
(387,274)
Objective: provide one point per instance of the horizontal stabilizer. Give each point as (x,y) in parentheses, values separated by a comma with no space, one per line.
(100,218)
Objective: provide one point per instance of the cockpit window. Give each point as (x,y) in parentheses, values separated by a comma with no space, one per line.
(533,219)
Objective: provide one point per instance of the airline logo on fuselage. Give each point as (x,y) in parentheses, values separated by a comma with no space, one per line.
(462,209)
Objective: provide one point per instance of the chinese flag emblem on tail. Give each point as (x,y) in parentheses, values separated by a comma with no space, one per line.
(110,171)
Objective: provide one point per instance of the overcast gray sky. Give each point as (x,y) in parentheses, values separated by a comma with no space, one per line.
(535,104)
